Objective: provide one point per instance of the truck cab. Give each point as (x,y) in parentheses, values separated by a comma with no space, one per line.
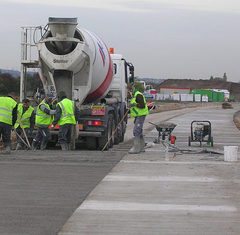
(118,86)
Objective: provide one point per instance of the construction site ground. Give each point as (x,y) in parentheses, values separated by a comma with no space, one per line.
(112,192)
(187,193)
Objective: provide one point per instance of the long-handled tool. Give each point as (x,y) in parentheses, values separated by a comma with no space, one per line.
(21,138)
(24,132)
(115,130)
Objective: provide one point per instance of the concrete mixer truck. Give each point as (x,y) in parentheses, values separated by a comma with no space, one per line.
(77,62)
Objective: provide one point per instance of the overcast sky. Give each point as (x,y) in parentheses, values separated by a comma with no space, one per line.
(192,39)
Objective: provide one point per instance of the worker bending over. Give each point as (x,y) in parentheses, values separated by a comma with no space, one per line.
(8,117)
(66,119)
(25,122)
(44,118)
(138,110)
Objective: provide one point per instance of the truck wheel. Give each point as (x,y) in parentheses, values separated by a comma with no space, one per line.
(117,135)
(189,141)
(114,137)
(91,143)
(111,128)
(103,140)
(211,141)
(120,133)
(123,130)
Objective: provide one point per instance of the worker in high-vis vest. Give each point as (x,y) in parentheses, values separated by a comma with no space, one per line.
(43,120)
(139,111)
(25,122)
(66,116)
(8,117)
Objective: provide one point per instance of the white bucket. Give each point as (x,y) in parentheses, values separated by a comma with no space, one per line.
(230,153)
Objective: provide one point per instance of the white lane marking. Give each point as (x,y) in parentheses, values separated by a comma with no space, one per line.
(175,162)
(132,206)
(129,178)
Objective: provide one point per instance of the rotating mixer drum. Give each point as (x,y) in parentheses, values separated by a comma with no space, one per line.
(74,60)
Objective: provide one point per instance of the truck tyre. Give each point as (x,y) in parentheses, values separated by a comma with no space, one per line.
(120,134)
(104,139)
(91,143)
(113,140)
(123,126)
(117,135)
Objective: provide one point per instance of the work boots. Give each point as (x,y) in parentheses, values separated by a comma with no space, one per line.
(43,145)
(19,146)
(142,143)
(136,148)
(7,150)
(64,147)
(34,145)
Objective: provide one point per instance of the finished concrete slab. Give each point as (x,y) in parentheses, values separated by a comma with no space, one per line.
(189,193)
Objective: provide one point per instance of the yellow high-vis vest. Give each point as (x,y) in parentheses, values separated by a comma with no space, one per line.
(67,116)
(24,119)
(7,104)
(135,111)
(43,118)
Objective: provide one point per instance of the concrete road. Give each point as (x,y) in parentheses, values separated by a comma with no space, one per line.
(40,190)
(146,193)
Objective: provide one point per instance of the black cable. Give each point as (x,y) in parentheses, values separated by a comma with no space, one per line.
(191,151)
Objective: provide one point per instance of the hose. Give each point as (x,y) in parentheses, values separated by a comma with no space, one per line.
(191,151)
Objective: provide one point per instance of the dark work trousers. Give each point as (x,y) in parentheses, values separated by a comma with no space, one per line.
(138,126)
(65,133)
(5,132)
(42,135)
(20,132)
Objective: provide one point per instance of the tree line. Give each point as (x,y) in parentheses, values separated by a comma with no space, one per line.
(224,78)
(8,83)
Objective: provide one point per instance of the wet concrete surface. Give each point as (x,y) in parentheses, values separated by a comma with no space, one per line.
(40,190)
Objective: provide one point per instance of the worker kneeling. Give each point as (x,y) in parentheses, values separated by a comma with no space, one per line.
(65,118)
(138,110)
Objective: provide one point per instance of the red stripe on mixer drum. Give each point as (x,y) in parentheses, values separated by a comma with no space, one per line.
(104,86)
